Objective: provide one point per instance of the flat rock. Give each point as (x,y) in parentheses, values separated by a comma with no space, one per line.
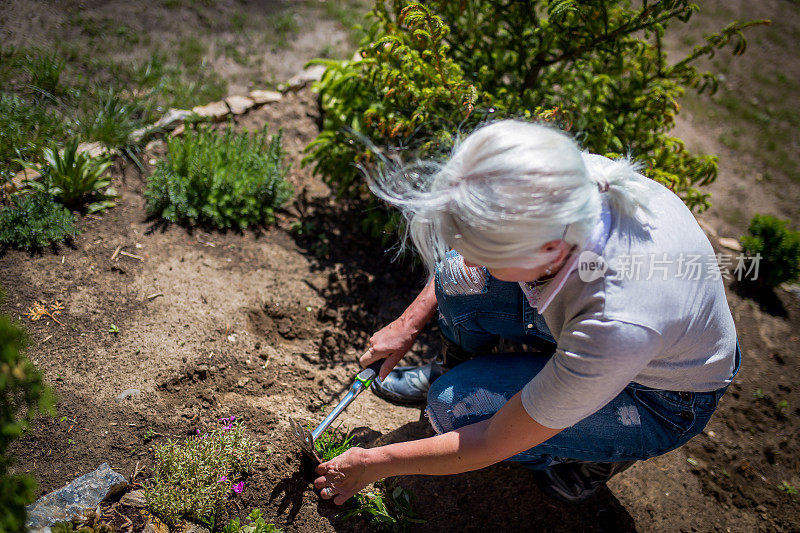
(303,78)
(177,132)
(155,527)
(731,244)
(239,104)
(189,527)
(94,149)
(134,498)
(143,133)
(22,175)
(261,97)
(216,111)
(70,501)
(173,118)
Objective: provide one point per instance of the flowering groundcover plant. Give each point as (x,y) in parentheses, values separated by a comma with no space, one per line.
(194,479)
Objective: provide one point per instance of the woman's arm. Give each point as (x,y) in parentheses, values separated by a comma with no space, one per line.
(393,341)
(510,431)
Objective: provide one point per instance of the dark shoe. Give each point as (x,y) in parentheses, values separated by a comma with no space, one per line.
(408,385)
(575,481)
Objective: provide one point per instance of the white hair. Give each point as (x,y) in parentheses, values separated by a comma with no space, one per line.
(507,189)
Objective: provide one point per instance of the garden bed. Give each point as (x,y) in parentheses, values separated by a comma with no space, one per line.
(267,324)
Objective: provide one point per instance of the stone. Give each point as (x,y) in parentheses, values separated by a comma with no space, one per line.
(216,111)
(155,527)
(173,118)
(300,80)
(731,244)
(94,149)
(22,175)
(261,97)
(127,394)
(239,104)
(189,527)
(155,144)
(144,133)
(135,498)
(72,500)
(177,132)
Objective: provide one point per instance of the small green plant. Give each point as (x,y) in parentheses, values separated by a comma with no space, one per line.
(113,329)
(781,406)
(113,120)
(228,180)
(332,443)
(74,178)
(193,480)
(758,394)
(388,507)
(23,395)
(778,248)
(255,524)
(788,488)
(45,72)
(25,130)
(34,221)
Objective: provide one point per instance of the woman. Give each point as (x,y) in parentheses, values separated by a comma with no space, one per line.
(528,239)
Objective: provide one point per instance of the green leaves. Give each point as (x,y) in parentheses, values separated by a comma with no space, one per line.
(227,180)
(430,72)
(74,178)
(23,395)
(35,221)
(778,246)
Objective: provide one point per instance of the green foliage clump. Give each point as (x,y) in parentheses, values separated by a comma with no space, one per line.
(228,180)
(74,178)
(255,524)
(428,72)
(192,480)
(35,221)
(778,247)
(388,508)
(24,130)
(332,443)
(23,395)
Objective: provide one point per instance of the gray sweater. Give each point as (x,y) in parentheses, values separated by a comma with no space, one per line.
(667,326)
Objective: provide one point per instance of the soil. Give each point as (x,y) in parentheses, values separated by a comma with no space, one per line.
(265,324)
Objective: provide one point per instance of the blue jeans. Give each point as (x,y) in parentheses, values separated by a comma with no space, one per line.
(641,422)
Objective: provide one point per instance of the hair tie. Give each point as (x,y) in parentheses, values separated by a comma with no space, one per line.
(602,185)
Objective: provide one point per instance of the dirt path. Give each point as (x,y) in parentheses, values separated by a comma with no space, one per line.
(265,325)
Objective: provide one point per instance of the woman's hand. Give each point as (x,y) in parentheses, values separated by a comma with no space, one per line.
(344,475)
(390,343)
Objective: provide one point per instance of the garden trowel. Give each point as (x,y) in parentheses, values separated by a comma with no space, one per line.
(363,380)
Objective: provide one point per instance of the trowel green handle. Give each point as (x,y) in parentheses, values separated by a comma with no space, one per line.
(363,380)
(368,375)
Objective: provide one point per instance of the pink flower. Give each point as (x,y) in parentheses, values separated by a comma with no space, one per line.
(222,479)
(229,426)
(222,419)
(233,417)
(198,431)
(239,487)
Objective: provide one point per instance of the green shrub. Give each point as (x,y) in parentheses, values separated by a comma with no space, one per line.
(192,480)
(256,524)
(429,72)
(34,221)
(74,178)
(778,246)
(228,180)
(23,395)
